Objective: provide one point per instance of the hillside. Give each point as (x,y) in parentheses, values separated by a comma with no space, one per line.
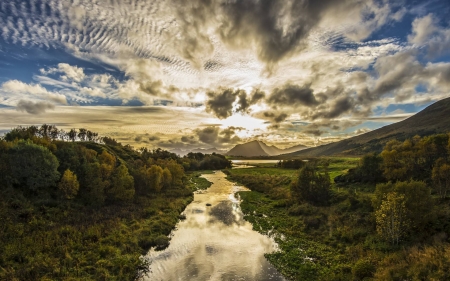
(433,119)
(258,148)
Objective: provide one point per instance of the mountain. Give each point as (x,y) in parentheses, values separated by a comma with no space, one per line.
(258,148)
(183,152)
(432,120)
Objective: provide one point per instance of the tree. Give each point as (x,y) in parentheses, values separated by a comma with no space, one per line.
(370,168)
(82,134)
(177,172)
(441,177)
(72,134)
(418,201)
(44,131)
(155,176)
(166,178)
(393,161)
(122,185)
(33,166)
(311,186)
(392,218)
(69,185)
(93,185)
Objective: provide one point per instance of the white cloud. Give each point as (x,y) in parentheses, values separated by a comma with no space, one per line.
(422,29)
(15,89)
(69,72)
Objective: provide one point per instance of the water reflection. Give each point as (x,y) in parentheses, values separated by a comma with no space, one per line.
(214,242)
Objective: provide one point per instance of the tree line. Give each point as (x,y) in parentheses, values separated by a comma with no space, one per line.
(47,161)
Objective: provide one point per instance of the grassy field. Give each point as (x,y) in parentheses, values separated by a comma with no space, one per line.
(313,241)
(339,240)
(338,165)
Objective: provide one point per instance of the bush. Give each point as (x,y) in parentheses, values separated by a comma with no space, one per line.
(363,269)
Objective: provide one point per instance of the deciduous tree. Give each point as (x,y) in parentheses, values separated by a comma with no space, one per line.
(392,218)
(33,166)
(69,185)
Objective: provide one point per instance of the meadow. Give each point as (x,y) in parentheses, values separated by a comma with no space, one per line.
(338,240)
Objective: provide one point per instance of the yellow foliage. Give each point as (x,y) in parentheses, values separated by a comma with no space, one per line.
(69,185)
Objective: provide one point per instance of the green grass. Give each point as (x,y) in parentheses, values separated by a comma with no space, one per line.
(340,165)
(51,240)
(196,182)
(269,171)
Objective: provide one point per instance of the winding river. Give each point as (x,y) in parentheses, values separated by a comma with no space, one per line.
(214,242)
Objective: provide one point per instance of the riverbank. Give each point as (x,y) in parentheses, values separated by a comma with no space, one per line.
(214,242)
(339,240)
(55,240)
(308,236)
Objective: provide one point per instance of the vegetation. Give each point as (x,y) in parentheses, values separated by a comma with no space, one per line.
(76,206)
(386,217)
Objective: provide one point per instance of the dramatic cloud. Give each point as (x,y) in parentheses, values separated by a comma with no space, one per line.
(293,95)
(224,102)
(34,108)
(290,71)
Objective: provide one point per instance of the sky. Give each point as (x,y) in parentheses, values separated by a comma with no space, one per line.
(204,74)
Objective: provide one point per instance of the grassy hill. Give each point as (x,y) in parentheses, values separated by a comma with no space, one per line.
(433,119)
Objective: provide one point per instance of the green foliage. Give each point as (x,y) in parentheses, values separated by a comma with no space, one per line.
(33,166)
(291,164)
(199,161)
(441,178)
(414,158)
(369,170)
(195,182)
(391,217)
(363,269)
(69,185)
(311,186)
(155,176)
(122,185)
(356,235)
(166,178)
(96,236)
(417,197)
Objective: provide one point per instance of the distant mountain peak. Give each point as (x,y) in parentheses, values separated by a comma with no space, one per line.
(259,148)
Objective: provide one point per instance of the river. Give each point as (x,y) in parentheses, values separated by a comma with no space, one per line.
(214,242)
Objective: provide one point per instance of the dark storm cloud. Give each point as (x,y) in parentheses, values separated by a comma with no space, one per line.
(336,109)
(208,135)
(274,116)
(228,135)
(275,28)
(212,136)
(293,95)
(220,102)
(245,101)
(215,136)
(34,108)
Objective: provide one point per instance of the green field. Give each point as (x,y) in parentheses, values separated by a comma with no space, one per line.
(339,240)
